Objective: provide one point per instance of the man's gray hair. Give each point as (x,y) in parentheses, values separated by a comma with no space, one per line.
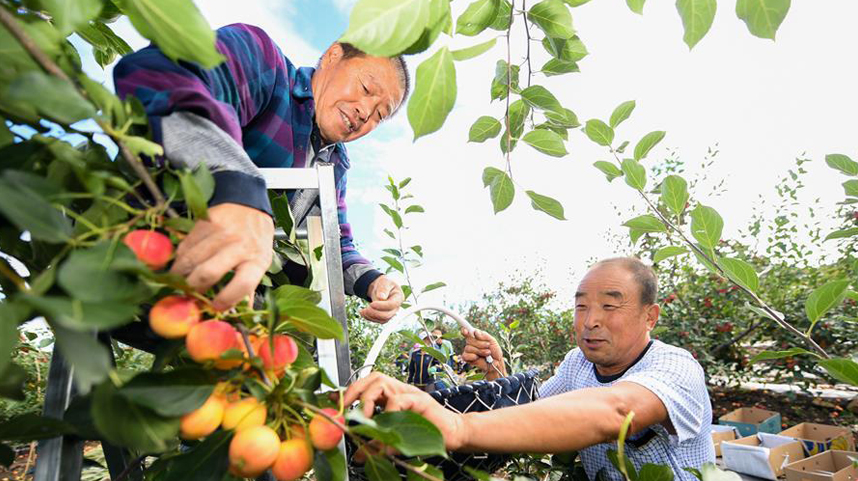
(643,274)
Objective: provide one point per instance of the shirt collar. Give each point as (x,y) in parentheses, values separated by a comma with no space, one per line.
(302,88)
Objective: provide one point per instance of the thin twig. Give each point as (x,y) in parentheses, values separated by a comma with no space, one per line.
(247,345)
(527,31)
(509,88)
(8,21)
(9,272)
(131,467)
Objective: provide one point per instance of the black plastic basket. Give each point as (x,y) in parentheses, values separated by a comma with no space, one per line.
(480,396)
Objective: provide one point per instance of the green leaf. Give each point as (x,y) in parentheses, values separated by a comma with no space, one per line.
(419,436)
(207,460)
(621,113)
(569,50)
(484,128)
(706,226)
(646,223)
(12,380)
(518,112)
(566,119)
(477,17)
(434,93)
(142,146)
(433,286)
(546,204)
(610,169)
(52,97)
(559,67)
(12,313)
(741,273)
(823,299)
(89,358)
(101,273)
(553,17)
(646,144)
(205,181)
(6,136)
(546,141)
(844,233)
(635,174)
(710,472)
(440,20)
(125,423)
(502,20)
(427,469)
(842,163)
(170,393)
(769,355)
(311,319)
(414,208)
(697,16)
(394,215)
(83,316)
(290,293)
(763,17)
(194,197)
(329,465)
(500,186)
(386,28)
(851,187)
(177,27)
(506,77)
(471,52)
(379,468)
(67,16)
(599,132)
(394,263)
(29,211)
(636,6)
(32,427)
(668,252)
(655,472)
(674,193)
(539,97)
(561,131)
(842,369)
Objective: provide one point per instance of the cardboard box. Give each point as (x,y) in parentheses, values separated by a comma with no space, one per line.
(817,438)
(752,421)
(720,434)
(828,466)
(763,455)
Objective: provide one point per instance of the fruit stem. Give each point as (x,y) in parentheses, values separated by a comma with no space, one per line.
(246,339)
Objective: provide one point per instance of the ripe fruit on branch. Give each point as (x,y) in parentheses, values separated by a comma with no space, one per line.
(244,414)
(173,316)
(324,434)
(204,420)
(294,459)
(252,451)
(285,352)
(152,248)
(208,340)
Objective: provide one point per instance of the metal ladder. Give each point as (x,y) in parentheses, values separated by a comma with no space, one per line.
(61,458)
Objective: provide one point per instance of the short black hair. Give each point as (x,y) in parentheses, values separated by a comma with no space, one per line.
(643,275)
(350,51)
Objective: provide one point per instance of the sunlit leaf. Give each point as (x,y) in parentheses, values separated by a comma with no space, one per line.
(697,16)
(546,204)
(763,17)
(610,169)
(646,144)
(553,17)
(636,6)
(842,163)
(770,355)
(500,186)
(741,273)
(621,113)
(599,132)
(668,252)
(674,193)
(823,299)
(471,52)
(842,369)
(484,128)
(434,93)
(559,67)
(646,223)
(545,141)
(477,17)
(706,226)
(635,174)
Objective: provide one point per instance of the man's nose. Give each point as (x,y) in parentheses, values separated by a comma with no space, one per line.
(592,319)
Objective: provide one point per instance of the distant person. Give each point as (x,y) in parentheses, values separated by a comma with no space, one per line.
(421,366)
(443,345)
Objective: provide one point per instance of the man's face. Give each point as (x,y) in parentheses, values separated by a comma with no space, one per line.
(437,335)
(354,95)
(611,325)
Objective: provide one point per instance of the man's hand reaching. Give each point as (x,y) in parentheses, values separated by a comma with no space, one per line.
(236,238)
(478,346)
(386,298)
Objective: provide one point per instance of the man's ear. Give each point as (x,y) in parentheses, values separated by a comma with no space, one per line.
(333,55)
(652,313)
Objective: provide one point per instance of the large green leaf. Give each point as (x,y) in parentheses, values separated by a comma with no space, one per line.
(635,174)
(329,465)
(674,193)
(434,93)
(553,17)
(477,17)
(32,427)
(12,313)
(546,204)
(769,355)
(621,113)
(484,128)
(610,169)
(170,393)
(843,233)
(842,369)
(706,226)
(823,299)
(207,460)
(100,274)
(126,423)
(697,16)
(668,252)
(177,27)
(559,67)
(518,112)
(82,316)
(502,20)
(599,132)
(646,223)
(471,52)
(29,211)
(311,319)
(52,97)
(566,119)
(842,163)
(539,97)
(89,358)
(851,187)
(419,436)
(440,20)
(386,27)
(655,472)
(569,50)
(636,6)
(379,468)
(741,273)
(500,187)
(763,17)
(546,141)
(68,15)
(646,144)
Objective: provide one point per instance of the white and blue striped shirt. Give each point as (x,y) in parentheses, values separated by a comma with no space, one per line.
(677,379)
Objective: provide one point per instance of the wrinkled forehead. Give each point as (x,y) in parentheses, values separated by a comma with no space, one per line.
(607,281)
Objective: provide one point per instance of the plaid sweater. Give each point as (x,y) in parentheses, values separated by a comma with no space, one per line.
(259,100)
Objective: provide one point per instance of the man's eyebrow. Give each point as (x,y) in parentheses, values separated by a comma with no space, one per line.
(580,294)
(615,294)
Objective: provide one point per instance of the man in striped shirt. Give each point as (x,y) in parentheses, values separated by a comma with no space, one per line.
(254,110)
